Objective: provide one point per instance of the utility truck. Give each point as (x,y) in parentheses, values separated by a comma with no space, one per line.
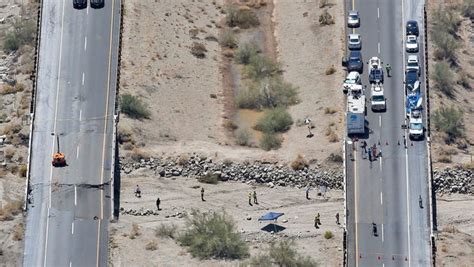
(355,110)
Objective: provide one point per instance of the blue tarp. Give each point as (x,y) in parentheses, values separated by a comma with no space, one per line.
(270,216)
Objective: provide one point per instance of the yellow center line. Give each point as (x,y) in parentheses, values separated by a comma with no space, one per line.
(105,134)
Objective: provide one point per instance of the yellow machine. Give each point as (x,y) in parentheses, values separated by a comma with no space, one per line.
(59,159)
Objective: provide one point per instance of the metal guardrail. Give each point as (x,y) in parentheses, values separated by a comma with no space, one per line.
(431,191)
(34,78)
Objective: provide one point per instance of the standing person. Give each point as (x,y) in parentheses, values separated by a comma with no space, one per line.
(255,197)
(337,218)
(388,68)
(369,152)
(202,194)
(316,222)
(364,146)
(250,198)
(307,191)
(318,218)
(158,201)
(138,192)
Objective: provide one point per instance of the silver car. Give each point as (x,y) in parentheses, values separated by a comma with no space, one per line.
(353,19)
(354,41)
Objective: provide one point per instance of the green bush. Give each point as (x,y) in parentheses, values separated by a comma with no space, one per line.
(446,23)
(261,67)
(467,9)
(328,235)
(283,254)
(23,32)
(269,93)
(443,78)
(240,17)
(446,20)
(464,80)
(228,39)
(209,179)
(168,231)
(450,121)
(134,107)
(213,235)
(243,137)
(270,141)
(275,121)
(245,52)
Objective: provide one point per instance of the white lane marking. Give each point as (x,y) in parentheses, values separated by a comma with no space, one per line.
(406,149)
(70,264)
(105,134)
(77,152)
(382,233)
(380,120)
(378,47)
(378,12)
(72,228)
(54,137)
(83,78)
(75,195)
(80,115)
(381,198)
(85,43)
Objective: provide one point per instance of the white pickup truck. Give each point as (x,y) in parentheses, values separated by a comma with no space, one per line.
(377,98)
(416,129)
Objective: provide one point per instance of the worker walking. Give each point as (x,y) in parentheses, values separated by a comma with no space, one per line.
(250,198)
(388,68)
(138,192)
(337,218)
(158,201)
(307,191)
(255,197)
(202,194)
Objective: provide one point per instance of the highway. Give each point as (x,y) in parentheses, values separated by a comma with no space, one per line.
(386,191)
(69,207)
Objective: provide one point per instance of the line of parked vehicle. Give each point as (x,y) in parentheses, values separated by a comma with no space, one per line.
(352,86)
(414,100)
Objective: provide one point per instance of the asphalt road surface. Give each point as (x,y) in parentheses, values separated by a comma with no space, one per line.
(70,207)
(386,191)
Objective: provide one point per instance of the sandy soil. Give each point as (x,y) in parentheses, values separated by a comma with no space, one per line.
(178,196)
(463,98)
(307,50)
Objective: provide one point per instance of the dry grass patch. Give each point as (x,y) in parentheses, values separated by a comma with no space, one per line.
(152,245)
(299,163)
(183,159)
(332,136)
(242,137)
(166,231)
(138,154)
(330,70)
(10,210)
(325,18)
(198,50)
(135,231)
(330,110)
(18,232)
(23,170)
(9,153)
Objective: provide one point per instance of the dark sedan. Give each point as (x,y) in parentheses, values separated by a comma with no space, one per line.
(354,62)
(97,3)
(412,28)
(79,4)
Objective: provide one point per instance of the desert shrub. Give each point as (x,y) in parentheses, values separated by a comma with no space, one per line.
(9,153)
(467,9)
(328,235)
(151,246)
(444,33)
(209,178)
(23,169)
(133,107)
(9,210)
(446,20)
(242,137)
(166,231)
(138,154)
(270,141)
(444,159)
(330,110)
(213,235)
(135,231)
(283,254)
(23,32)
(335,158)
(446,46)
(325,18)
(260,260)
(323,3)
(242,17)
(450,121)
(261,67)
(332,136)
(270,93)
(274,121)
(299,163)
(228,39)
(330,70)
(230,125)
(183,159)
(198,50)
(464,81)
(193,32)
(443,78)
(245,52)
(18,232)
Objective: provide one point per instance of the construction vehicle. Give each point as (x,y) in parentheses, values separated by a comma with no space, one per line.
(355,110)
(59,159)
